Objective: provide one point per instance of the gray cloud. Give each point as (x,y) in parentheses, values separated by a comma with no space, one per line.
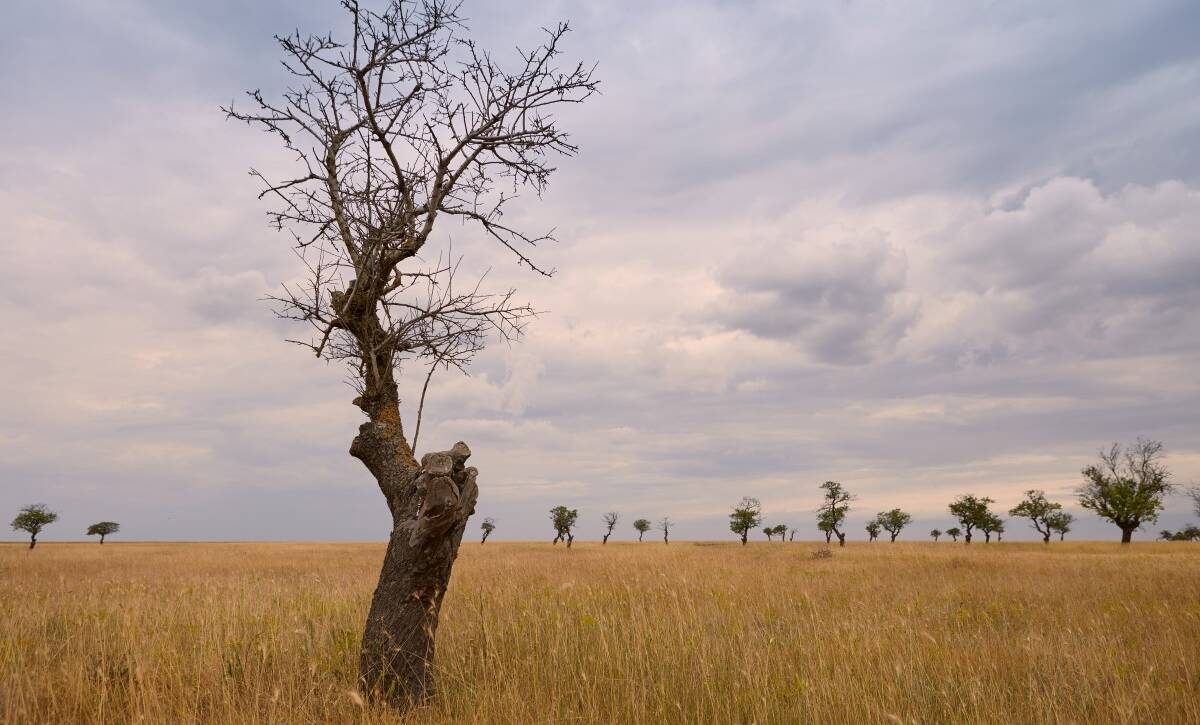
(922,250)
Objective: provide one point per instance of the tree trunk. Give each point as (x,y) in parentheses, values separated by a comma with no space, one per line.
(101,539)
(32,540)
(744,535)
(1126,536)
(570,538)
(841,539)
(894,537)
(1046,538)
(1062,535)
(430,503)
(605,539)
(640,535)
(484,539)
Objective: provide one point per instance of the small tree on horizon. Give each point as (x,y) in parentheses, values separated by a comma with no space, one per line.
(1038,510)
(991,524)
(103,528)
(936,534)
(954,532)
(971,511)
(1128,486)
(1060,522)
(792,535)
(32,519)
(610,520)
(1190,532)
(746,515)
(642,526)
(894,521)
(832,513)
(873,528)
(781,531)
(488,526)
(563,520)
(664,525)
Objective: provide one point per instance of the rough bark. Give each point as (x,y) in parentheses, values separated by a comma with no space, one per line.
(1126,536)
(430,504)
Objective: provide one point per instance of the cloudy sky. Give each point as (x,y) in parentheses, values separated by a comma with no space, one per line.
(922,248)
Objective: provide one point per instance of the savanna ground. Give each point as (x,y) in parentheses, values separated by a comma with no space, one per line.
(628,633)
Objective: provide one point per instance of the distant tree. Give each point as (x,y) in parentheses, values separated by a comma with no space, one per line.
(488,526)
(1128,486)
(971,512)
(954,532)
(610,520)
(32,519)
(991,524)
(873,527)
(664,525)
(792,535)
(1188,533)
(1038,510)
(746,515)
(563,519)
(936,534)
(834,509)
(999,529)
(779,530)
(103,528)
(1194,493)
(642,526)
(894,521)
(1060,522)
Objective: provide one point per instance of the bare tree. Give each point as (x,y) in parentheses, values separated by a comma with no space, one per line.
(664,525)
(610,520)
(398,127)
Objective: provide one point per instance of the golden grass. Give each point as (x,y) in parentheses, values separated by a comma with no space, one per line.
(628,633)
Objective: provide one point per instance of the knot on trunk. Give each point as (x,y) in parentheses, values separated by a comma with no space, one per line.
(447,492)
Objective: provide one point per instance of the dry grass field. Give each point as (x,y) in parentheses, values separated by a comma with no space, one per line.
(628,633)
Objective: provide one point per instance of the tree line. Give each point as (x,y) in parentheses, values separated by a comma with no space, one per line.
(1127,487)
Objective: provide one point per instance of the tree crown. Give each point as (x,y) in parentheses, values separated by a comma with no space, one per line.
(33,518)
(563,519)
(103,528)
(971,510)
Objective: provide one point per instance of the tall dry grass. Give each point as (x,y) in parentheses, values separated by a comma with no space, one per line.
(628,633)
